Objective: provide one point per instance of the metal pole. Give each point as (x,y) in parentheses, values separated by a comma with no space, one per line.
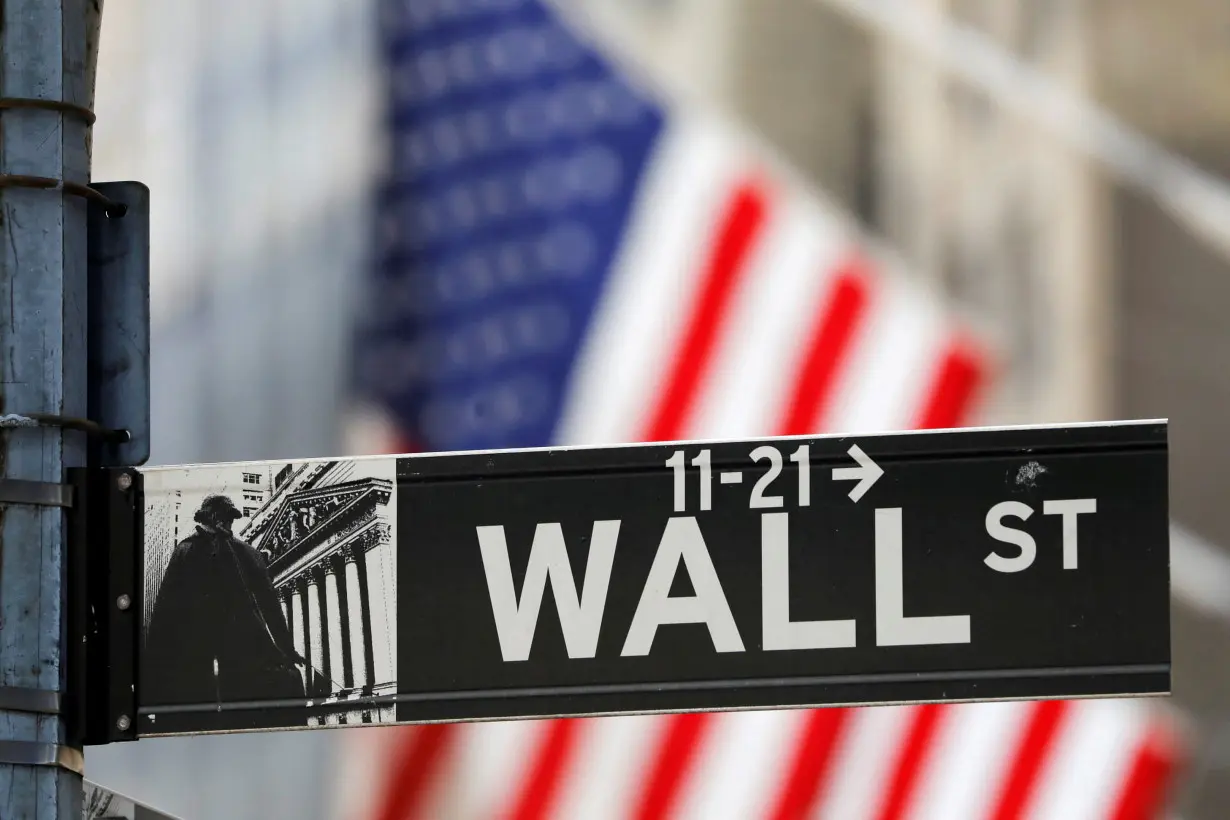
(48,51)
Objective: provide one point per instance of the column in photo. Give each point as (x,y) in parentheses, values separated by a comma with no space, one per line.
(359,621)
(338,572)
(294,623)
(382,590)
(335,617)
(316,626)
(303,595)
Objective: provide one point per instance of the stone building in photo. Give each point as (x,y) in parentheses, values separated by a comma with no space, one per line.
(328,532)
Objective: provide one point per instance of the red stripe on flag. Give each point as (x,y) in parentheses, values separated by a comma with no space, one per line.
(540,788)
(844,309)
(960,372)
(919,740)
(1146,787)
(739,226)
(417,760)
(1040,730)
(676,754)
(812,763)
(402,444)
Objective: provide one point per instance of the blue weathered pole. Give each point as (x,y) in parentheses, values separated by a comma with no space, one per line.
(48,51)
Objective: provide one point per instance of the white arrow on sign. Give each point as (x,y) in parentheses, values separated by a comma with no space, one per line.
(867,473)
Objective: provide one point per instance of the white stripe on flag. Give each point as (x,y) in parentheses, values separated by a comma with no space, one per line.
(764,341)
(489,769)
(1088,767)
(974,750)
(866,758)
(364,768)
(739,768)
(608,767)
(885,384)
(643,310)
(368,430)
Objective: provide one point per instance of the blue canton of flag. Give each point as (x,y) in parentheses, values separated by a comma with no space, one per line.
(514,160)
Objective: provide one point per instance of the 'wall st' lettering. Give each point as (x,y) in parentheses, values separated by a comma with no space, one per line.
(683,544)
(1068,509)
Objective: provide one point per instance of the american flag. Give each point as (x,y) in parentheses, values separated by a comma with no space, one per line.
(564,258)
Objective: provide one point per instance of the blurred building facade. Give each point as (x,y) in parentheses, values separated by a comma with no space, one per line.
(255,125)
(251,123)
(1165,69)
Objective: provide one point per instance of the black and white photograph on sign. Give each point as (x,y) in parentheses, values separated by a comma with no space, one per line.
(270,584)
(99,803)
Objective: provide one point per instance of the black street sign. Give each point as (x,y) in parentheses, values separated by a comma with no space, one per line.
(809,571)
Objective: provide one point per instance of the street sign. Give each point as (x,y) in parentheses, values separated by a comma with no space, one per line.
(930,566)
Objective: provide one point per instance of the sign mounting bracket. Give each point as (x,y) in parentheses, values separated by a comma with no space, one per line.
(105,530)
(118,324)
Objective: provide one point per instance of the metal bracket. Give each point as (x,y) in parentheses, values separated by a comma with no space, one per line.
(105,592)
(80,111)
(37,493)
(33,753)
(34,701)
(35,420)
(112,207)
(118,349)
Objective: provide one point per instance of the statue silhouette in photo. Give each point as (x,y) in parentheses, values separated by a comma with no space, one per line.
(217,633)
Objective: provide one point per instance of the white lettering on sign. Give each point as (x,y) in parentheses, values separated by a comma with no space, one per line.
(867,473)
(682,542)
(580,618)
(779,631)
(759,500)
(1001,532)
(1070,508)
(892,627)
(682,539)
